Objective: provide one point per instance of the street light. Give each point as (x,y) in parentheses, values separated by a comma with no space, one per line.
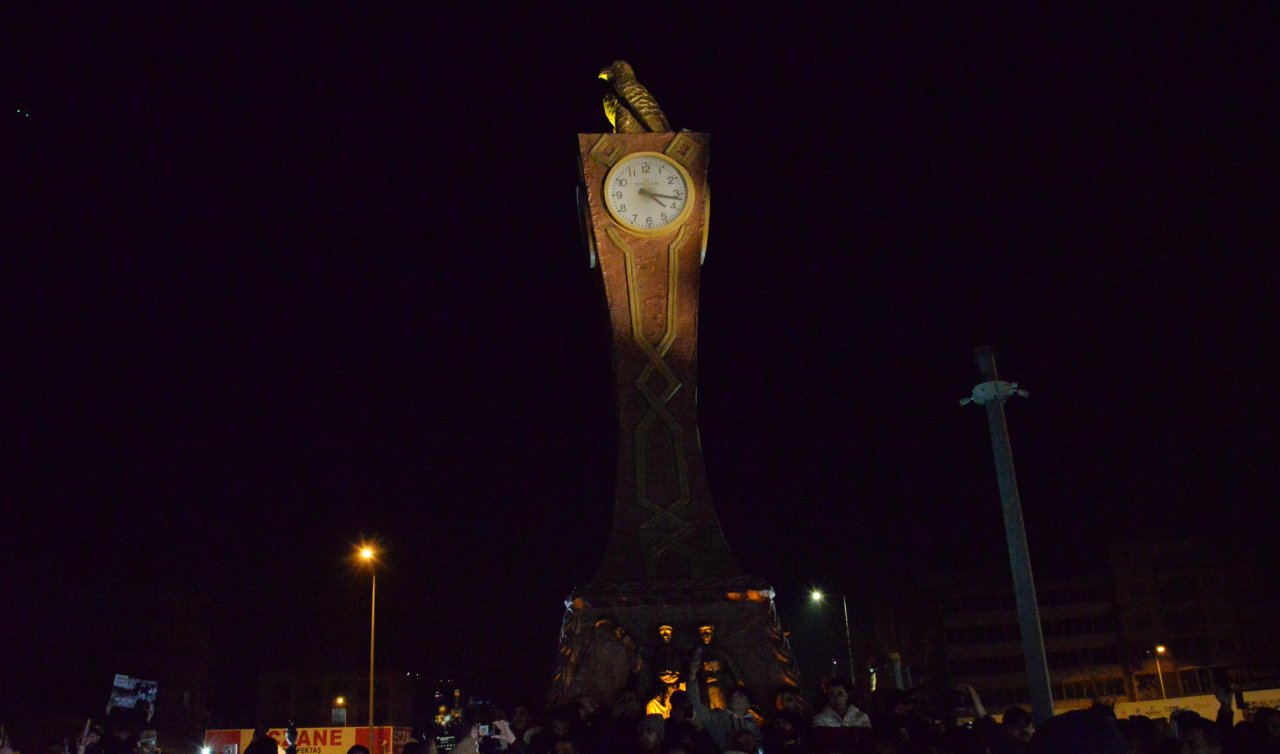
(817,596)
(367,554)
(1160,650)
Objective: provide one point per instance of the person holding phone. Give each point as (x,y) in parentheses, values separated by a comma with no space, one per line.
(89,738)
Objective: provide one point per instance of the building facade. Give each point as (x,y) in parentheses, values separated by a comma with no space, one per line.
(983,647)
(1160,620)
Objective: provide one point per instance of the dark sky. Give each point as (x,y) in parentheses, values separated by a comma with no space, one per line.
(278,279)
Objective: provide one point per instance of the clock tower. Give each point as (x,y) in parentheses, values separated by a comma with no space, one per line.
(668,583)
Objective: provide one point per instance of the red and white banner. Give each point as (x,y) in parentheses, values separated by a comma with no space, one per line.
(386,740)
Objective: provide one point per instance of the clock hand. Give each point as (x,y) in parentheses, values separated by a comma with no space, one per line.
(646,192)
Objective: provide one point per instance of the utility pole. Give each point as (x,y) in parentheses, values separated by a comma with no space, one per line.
(991,393)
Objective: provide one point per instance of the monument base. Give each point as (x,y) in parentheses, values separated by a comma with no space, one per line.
(612,639)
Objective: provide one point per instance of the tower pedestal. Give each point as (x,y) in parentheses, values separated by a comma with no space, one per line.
(610,642)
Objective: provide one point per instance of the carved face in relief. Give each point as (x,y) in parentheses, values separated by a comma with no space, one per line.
(788,699)
(708,632)
(664,633)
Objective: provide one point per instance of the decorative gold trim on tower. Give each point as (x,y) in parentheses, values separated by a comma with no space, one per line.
(607,150)
(682,149)
(668,528)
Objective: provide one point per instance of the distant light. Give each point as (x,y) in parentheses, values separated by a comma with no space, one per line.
(1161,649)
(206,749)
(366,553)
(816,595)
(340,701)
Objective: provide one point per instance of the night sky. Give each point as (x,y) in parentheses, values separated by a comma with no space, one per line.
(278,279)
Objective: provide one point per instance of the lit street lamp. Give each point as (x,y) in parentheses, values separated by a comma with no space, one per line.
(367,554)
(1160,650)
(817,596)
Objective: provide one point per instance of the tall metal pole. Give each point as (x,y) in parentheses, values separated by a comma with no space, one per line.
(992,393)
(373,613)
(848,643)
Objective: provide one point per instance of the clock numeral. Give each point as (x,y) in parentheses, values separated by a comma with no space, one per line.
(633,218)
(661,168)
(616,195)
(663,216)
(675,207)
(631,171)
(671,179)
(678,193)
(648,221)
(645,168)
(622,208)
(619,181)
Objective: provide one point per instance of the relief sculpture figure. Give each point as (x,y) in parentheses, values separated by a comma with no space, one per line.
(718,674)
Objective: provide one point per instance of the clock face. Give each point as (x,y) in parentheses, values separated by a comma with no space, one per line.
(648,193)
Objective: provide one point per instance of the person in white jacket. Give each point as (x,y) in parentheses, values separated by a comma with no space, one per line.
(840,725)
(839,713)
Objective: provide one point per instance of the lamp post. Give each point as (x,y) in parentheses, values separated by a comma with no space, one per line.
(817,596)
(1160,650)
(367,554)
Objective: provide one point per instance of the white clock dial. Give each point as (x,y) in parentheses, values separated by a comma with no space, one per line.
(648,193)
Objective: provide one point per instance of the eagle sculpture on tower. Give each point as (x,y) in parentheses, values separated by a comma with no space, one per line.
(628,104)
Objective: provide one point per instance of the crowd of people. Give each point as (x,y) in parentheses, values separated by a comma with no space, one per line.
(888,722)
(885,722)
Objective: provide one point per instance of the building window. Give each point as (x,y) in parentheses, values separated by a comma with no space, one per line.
(1089,689)
(1196,681)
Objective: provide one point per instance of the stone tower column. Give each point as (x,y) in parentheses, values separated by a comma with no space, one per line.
(667,563)
(664,525)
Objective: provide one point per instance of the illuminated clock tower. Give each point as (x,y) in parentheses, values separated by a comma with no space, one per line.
(668,583)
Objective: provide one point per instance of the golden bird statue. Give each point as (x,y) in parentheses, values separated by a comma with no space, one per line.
(628,104)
